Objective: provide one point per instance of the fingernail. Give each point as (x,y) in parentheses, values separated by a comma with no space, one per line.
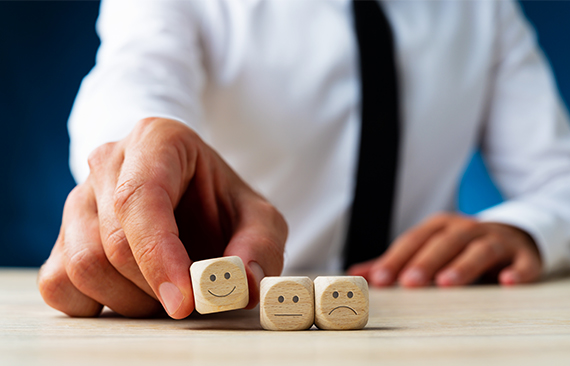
(510,278)
(382,277)
(257,271)
(414,277)
(449,277)
(171,297)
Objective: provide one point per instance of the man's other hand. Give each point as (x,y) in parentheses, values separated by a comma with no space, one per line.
(454,250)
(152,203)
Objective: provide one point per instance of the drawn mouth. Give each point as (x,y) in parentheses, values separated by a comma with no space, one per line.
(288,314)
(343,306)
(228,294)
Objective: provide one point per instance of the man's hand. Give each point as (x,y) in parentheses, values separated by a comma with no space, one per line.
(454,250)
(152,203)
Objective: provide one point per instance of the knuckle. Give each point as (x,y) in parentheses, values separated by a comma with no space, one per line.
(50,285)
(58,292)
(125,195)
(463,232)
(438,218)
(77,195)
(412,236)
(117,249)
(441,216)
(100,155)
(85,267)
(146,253)
(487,249)
(443,237)
(162,128)
(145,129)
(468,225)
(145,124)
(171,137)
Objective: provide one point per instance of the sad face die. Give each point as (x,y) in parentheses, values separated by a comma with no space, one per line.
(341,302)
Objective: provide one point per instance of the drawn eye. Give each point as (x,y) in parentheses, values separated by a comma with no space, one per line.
(350,294)
(335,294)
(295,298)
(280,299)
(212,278)
(227,275)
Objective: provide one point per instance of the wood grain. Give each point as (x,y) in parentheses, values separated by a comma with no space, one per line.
(219,284)
(341,302)
(286,303)
(478,325)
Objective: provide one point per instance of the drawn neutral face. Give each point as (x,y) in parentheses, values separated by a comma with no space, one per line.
(289,305)
(342,303)
(221,282)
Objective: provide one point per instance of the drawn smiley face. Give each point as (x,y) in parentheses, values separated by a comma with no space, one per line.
(219,284)
(222,283)
(341,302)
(287,304)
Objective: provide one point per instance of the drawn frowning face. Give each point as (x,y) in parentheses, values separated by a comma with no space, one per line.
(342,303)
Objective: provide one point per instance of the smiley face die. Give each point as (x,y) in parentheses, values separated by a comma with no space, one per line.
(286,303)
(341,302)
(219,284)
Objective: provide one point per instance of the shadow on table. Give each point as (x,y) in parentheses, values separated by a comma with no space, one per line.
(238,320)
(231,320)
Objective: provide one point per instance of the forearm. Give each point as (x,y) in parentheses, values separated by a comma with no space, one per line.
(526,143)
(148,65)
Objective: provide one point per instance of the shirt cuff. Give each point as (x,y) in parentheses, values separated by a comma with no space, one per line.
(545,227)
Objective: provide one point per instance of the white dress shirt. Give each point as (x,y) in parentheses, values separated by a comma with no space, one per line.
(273,86)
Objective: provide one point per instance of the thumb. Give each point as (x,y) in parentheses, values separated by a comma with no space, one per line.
(526,267)
(259,240)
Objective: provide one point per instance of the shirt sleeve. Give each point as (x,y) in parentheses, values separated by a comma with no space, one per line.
(526,141)
(148,65)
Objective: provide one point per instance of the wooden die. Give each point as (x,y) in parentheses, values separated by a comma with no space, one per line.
(286,303)
(219,284)
(341,302)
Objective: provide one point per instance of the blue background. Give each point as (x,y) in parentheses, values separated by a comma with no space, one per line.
(46,47)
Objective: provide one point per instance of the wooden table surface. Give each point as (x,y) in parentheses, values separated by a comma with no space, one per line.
(479,325)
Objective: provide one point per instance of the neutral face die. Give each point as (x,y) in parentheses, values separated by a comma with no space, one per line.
(341,302)
(219,284)
(286,303)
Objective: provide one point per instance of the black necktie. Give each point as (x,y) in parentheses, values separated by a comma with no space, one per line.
(369,230)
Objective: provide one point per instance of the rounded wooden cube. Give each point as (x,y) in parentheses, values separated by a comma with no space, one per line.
(219,284)
(286,303)
(341,302)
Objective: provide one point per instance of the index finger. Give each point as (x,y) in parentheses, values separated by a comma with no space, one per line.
(151,181)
